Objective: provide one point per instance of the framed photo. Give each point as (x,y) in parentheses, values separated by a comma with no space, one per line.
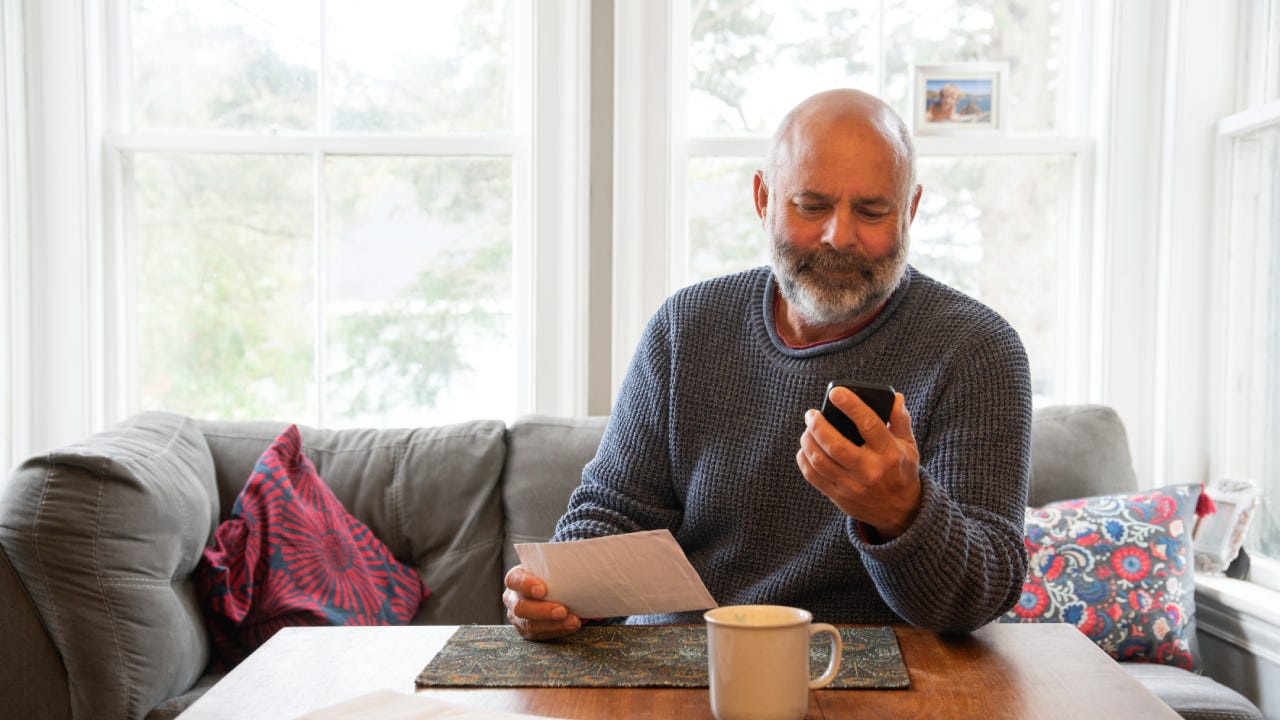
(958,98)
(1217,537)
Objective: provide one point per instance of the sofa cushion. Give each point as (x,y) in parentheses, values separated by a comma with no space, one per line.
(1193,696)
(430,494)
(1119,568)
(176,705)
(290,554)
(545,457)
(106,534)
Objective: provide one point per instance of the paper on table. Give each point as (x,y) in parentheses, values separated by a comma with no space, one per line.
(639,573)
(391,705)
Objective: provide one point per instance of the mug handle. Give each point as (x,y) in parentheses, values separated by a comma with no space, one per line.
(837,647)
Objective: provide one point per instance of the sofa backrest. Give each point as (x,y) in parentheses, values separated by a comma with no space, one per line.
(103,535)
(545,457)
(432,495)
(1078,451)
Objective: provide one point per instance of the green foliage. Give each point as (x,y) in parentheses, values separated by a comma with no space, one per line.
(839,44)
(726,37)
(223,284)
(226,257)
(408,348)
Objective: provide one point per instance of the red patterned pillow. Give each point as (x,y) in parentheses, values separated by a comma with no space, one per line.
(290,554)
(1118,568)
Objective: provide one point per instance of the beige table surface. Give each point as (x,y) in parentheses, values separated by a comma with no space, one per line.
(1020,672)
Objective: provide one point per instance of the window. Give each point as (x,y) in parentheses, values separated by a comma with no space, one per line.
(1250,349)
(326,208)
(1001,217)
(1246,350)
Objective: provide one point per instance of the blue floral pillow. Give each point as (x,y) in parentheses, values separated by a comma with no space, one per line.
(1117,567)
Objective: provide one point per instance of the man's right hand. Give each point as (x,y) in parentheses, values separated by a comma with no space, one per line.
(531,616)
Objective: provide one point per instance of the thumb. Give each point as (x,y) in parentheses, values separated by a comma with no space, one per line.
(900,419)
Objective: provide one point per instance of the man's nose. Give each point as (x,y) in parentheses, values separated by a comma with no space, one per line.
(841,232)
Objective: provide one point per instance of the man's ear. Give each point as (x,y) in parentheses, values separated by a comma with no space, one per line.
(761,191)
(915,201)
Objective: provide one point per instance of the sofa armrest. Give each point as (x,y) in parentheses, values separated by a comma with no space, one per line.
(34,682)
(104,535)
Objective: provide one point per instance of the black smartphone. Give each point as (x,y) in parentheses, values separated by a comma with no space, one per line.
(877,397)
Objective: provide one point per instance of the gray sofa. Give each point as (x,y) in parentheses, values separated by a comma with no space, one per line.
(99,539)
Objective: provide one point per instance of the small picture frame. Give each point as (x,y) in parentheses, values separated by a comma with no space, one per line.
(958,98)
(1217,537)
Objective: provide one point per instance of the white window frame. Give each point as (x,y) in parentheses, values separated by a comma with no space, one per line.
(652,150)
(63,292)
(79,355)
(644,199)
(15,386)
(1240,295)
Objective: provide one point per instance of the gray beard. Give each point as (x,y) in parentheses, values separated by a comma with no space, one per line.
(823,302)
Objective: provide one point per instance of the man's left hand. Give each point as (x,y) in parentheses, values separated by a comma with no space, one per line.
(878,482)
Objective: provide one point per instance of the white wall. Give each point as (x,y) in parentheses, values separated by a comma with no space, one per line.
(1240,639)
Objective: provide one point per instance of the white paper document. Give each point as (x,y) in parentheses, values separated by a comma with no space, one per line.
(640,573)
(391,705)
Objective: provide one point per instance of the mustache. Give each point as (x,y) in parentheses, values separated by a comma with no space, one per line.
(828,261)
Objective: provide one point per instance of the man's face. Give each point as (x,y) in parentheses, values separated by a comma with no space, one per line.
(838,220)
(828,286)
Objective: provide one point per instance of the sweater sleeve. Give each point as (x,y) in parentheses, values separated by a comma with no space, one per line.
(962,562)
(627,486)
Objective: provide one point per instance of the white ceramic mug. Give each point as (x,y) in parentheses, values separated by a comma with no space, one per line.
(758,659)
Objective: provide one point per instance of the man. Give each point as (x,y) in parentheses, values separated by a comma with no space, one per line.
(924,522)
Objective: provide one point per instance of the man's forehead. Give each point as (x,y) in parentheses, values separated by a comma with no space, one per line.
(876,179)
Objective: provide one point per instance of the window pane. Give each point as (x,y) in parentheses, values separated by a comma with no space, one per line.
(224,66)
(993,227)
(1255,230)
(420,66)
(1028,36)
(724,233)
(224,285)
(419,307)
(752,60)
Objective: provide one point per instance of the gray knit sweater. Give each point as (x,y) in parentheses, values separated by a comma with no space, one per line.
(703,437)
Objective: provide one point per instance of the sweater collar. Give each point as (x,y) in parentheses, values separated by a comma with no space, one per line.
(886,310)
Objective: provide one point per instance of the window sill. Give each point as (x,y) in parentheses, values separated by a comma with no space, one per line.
(1242,613)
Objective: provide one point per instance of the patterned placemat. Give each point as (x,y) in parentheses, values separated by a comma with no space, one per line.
(634,656)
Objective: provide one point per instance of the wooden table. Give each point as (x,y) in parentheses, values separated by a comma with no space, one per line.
(1001,671)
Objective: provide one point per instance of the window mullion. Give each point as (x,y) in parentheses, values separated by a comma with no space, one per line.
(321,290)
(456,145)
(642,174)
(318,222)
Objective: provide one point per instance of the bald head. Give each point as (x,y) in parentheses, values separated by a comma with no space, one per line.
(836,113)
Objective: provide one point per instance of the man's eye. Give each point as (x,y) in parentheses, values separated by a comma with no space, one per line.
(810,209)
(873,214)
